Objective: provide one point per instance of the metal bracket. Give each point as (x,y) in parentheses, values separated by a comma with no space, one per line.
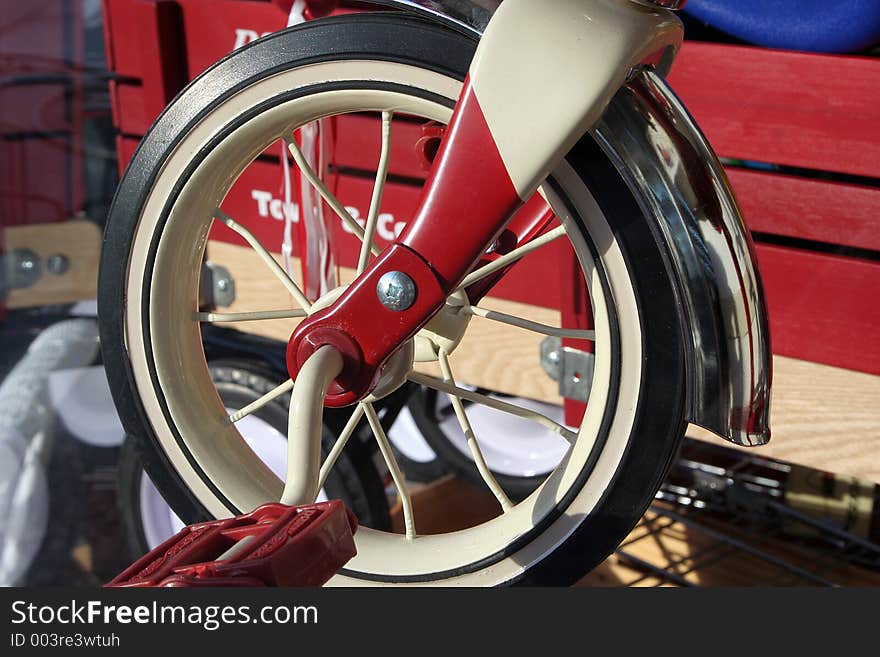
(19,269)
(572,368)
(216,286)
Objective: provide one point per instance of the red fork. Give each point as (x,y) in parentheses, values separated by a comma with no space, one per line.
(467,203)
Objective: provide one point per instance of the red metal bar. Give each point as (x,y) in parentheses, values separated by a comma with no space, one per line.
(532,220)
(466,203)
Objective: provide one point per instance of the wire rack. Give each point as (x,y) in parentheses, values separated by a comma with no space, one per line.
(725,517)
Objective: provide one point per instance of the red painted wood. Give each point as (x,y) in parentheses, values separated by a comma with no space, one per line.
(823,308)
(122,37)
(798,109)
(161,44)
(835,213)
(358,142)
(32,37)
(230,24)
(129,111)
(212,30)
(125,147)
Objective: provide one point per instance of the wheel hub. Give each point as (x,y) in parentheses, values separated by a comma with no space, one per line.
(444,332)
(394,373)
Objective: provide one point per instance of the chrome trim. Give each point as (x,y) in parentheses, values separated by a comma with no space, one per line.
(668,164)
(674,173)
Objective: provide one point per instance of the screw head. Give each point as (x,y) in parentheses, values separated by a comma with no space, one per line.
(57,264)
(25,269)
(396,291)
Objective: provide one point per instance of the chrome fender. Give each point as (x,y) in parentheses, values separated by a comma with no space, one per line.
(666,161)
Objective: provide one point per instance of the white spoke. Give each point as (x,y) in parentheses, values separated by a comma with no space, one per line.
(378,191)
(250,316)
(339,445)
(497,404)
(393,467)
(509,258)
(277,269)
(468,430)
(529,325)
(325,193)
(285,387)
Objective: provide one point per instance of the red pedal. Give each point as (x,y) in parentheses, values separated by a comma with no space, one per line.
(275,545)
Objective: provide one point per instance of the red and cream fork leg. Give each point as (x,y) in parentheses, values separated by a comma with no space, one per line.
(538,82)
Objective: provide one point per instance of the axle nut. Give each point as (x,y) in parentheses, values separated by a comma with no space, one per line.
(396,291)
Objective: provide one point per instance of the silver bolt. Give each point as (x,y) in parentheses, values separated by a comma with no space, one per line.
(25,268)
(57,264)
(554,357)
(396,291)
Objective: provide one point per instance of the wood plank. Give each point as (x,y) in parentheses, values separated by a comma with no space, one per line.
(805,208)
(129,115)
(446,505)
(822,417)
(823,308)
(79,241)
(798,109)
(256,289)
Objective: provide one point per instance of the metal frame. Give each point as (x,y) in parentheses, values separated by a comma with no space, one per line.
(666,160)
(734,503)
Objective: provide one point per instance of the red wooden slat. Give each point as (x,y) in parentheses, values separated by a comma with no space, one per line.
(213,29)
(230,24)
(129,112)
(163,54)
(121,37)
(358,143)
(797,109)
(823,308)
(805,208)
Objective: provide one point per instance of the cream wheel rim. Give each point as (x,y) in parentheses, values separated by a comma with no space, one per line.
(172,377)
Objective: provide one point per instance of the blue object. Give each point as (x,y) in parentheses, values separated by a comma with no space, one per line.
(817,25)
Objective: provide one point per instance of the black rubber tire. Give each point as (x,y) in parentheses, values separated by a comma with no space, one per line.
(659,414)
(355,479)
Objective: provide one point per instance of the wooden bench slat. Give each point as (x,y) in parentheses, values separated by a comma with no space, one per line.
(797,109)
(823,308)
(819,210)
